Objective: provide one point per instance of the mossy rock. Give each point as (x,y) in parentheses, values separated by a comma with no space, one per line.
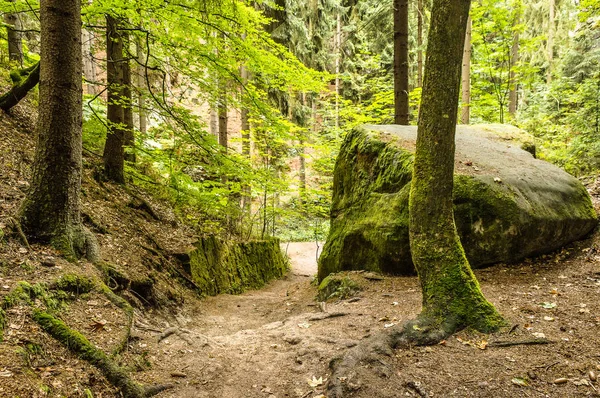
(337,286)
(219,266)
(507,204)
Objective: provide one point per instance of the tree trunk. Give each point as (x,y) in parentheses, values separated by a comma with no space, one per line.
(452,298)
(420,11)
(127,103)
(14,37)
(465,114)
(401,62)
(245,121)
(89,70)
(514,59)
(114,154)
(550,43)
(20,88)
(141,85)
(51,209)
(222,113)
(338,59)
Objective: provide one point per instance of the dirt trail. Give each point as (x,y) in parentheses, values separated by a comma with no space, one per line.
(269,343)
(262,343)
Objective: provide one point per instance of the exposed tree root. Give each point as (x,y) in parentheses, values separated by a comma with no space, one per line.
(16,225)
(52,296)
(346,369)
(508,343)
(78,344)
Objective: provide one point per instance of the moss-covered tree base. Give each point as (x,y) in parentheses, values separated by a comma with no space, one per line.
(218,266)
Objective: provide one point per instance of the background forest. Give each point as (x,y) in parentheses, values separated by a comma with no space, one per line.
(234,111)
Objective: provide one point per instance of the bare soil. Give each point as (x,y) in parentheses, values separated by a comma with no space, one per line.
(277,341)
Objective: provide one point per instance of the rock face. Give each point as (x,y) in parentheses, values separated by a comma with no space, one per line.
(218,266)
(507,204)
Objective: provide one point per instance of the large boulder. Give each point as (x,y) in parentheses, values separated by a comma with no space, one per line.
(507,204)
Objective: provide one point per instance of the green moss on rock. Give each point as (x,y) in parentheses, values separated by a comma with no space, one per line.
(337,286)
(508,205)
(218,266)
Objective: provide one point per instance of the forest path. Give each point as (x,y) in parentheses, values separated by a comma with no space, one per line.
(263,343)
(269,343)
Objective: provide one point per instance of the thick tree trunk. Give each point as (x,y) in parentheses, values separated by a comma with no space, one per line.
(465,114)
(420,12)
(452,298)
(14,37)
(550,43)
(401,62)
(514,59)
(114,154)
(51,210)
(20,88)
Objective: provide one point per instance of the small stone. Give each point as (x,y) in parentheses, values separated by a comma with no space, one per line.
(531,375)
(48,262)
(373,276)
(292,340)
(561,380)
(593,376)
(483,384)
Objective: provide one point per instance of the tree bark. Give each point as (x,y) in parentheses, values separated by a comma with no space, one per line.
(420,12)
(452,298)
(465,114)
(401,89)
(514,60)
(127,103)
(51,209)
(141,86)
(89,69)
(20,88)
(222,114)
(14,37)
(245,119)
(114,154)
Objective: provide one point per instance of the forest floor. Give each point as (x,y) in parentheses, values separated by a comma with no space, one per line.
(277,341)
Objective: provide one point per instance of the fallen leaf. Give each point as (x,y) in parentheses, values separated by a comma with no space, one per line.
(548,318)
(315,382)
(304,325)
(548,305)
(97,325)
(482,344)
(519,381)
